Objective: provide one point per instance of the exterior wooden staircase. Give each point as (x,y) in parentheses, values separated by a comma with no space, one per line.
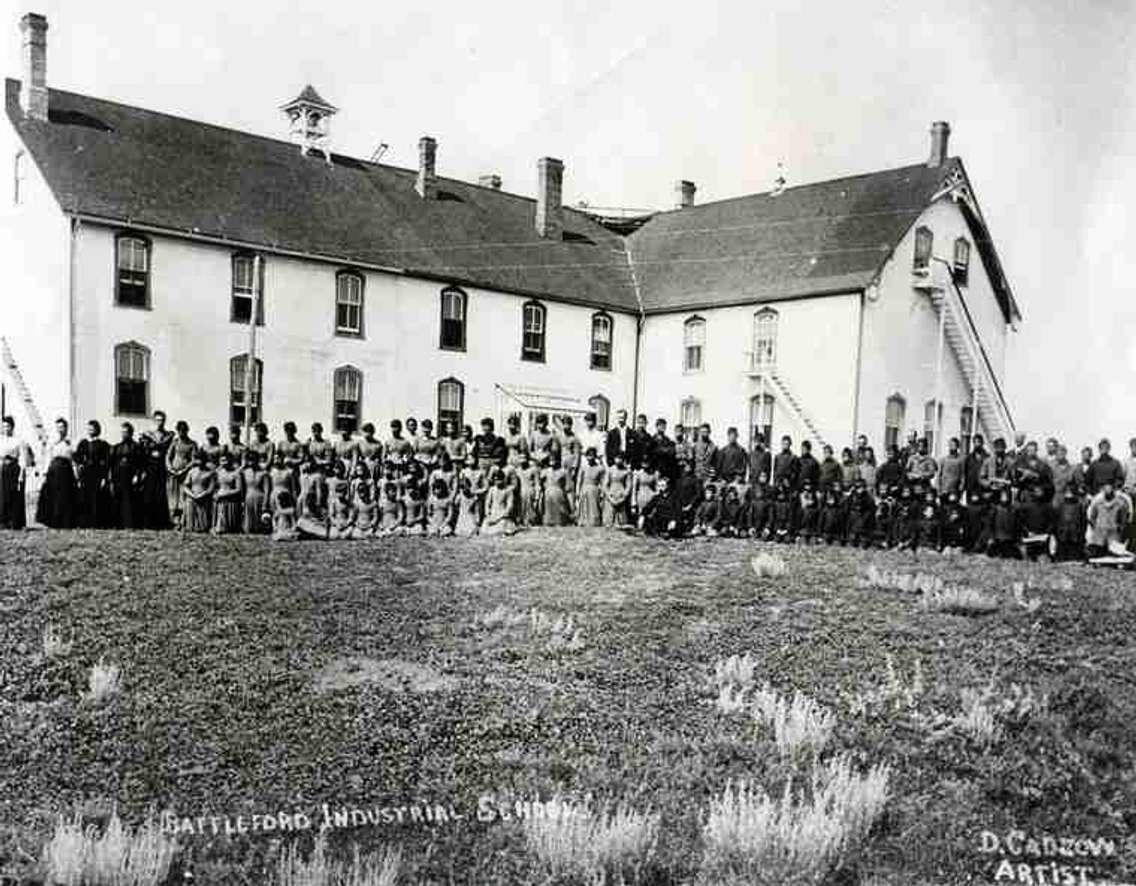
(22,390)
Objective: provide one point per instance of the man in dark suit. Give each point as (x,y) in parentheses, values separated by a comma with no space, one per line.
(488,448)
(760,461)
(639,443)
(617,438)
(663,452)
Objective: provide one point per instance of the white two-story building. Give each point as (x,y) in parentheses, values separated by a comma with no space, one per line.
(142,245)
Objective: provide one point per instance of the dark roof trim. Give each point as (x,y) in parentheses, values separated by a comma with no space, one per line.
(751,301)
(339,261)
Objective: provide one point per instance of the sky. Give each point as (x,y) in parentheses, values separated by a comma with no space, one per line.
(1040,95)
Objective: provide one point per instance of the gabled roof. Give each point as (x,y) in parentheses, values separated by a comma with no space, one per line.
(133,166)
(828,237)
(309,96)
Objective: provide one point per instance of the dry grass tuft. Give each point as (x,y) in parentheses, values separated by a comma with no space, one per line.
(575,844)
(500,616)
(53,643)
(768,566)
(893,696)
(737,670)
(800,725)
(381,869)
(120,856)
(731,699)
(800,839)
(562,633)
(959,601)
(104,682)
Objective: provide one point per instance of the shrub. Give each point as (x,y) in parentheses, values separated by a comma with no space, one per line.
(797,840)
(78,856)
(737,670)
(53,643)
(767,566)
(799,725)
(572,843)
(976,719)
(380,869)
(893,696)
(104,682)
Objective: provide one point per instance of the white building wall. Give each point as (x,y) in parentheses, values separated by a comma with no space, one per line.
(901,335)
(816,358)
(191,340)
(35,251)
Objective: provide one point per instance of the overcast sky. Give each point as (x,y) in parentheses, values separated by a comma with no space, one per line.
(1041,97)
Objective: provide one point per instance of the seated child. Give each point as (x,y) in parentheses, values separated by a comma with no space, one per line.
(808,515)
(414,511)
(1007,532)
(467,506)
(341,515)
(366,512)
(706,520)
(952,524)
(390,510)
(832,516)
(283,516)
(439,509)
(730,513)
(861,513)
(757,508)
(1036,521)
(783,520)
(1071,524)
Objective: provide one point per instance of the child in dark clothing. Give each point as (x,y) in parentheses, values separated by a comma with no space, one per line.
(832,516)
(952,524)
(979,530)
(1006,532)
(904,518)
(757,508)
(885,516)
(782,522)
(924,520)
(861,510)
(1035,519)
(1071,523)
(808,510)
(706,520)
(729,513)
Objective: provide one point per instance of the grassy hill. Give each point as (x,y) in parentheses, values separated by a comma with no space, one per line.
(267,680)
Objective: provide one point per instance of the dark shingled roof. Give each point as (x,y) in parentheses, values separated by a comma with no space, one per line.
(133,166)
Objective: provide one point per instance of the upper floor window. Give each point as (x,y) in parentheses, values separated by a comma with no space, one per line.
(601,340)
(962,260)
(132,379)
(451,402)
(893,420)
(246,289)
(348,303)
(533,333)
(690,413)
(764,338)
(924,242)
(601,406)
(132,278)
(238,387)
(452,336)
(966,428)
(348,406)
(693,341)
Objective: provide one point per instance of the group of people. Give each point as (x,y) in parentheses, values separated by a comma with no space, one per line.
(1008,502)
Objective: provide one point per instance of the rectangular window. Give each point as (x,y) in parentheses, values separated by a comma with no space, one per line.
(453,320)
(601,341)
(532,346)
(451,395)
(966,428)
(348,398)
(930,425)
(349,304)
(133,273)
(238,366)
(690,413)
(924,241)
(246,289)
(893,421)
(962,261)
(694,340)
(132,380)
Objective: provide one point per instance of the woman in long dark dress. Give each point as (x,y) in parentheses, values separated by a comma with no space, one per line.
(92,464)
(125,467)
(155,498)
(56,507)
(15,459)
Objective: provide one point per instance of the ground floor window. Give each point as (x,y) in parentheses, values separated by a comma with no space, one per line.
(451,402)
(761,418)
(132,379)
(348,405)
(238,397)
(690,413)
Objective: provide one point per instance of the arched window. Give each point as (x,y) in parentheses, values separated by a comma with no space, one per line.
(451,402)
(765,339)
(348,303)
(962,261)
(131,379)
(693,342)
(966,428)
(19,166)
(246,290)
(931,417)
(893,420)
(453,320)
(690,413)
(533,332)
(238,395)
(601,340)
(347,382)
(761,419)
(601,406)
(924,242)
(132,277)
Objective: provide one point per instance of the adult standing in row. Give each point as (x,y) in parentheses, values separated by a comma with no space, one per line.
(15,460)
(92,467)
(56,507)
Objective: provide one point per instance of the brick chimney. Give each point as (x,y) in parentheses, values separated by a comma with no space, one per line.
(940,135)
(684,194)
(33,86)
(549,187)
(427,183)
(492,180)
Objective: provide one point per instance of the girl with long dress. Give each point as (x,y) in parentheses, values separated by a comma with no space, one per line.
(125,473)
(617,493)
(341,515)
(320,450)
(264,448)
(92,466)
(516,446)
(415,512)
(542,443)
(292,449)
(228,497)
(258,487)
(500,506)
(15,459)
(200,482)
(284,515)
(438,510)
(528,476)
(313,490)
(588,490)
(390,510)
(179,459)
(645,486)
(556,510)
(212,447)
(155,490)
(57,498)
(467,504)
(371,451)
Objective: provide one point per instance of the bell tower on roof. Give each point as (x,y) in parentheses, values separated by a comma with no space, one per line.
(308,117)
